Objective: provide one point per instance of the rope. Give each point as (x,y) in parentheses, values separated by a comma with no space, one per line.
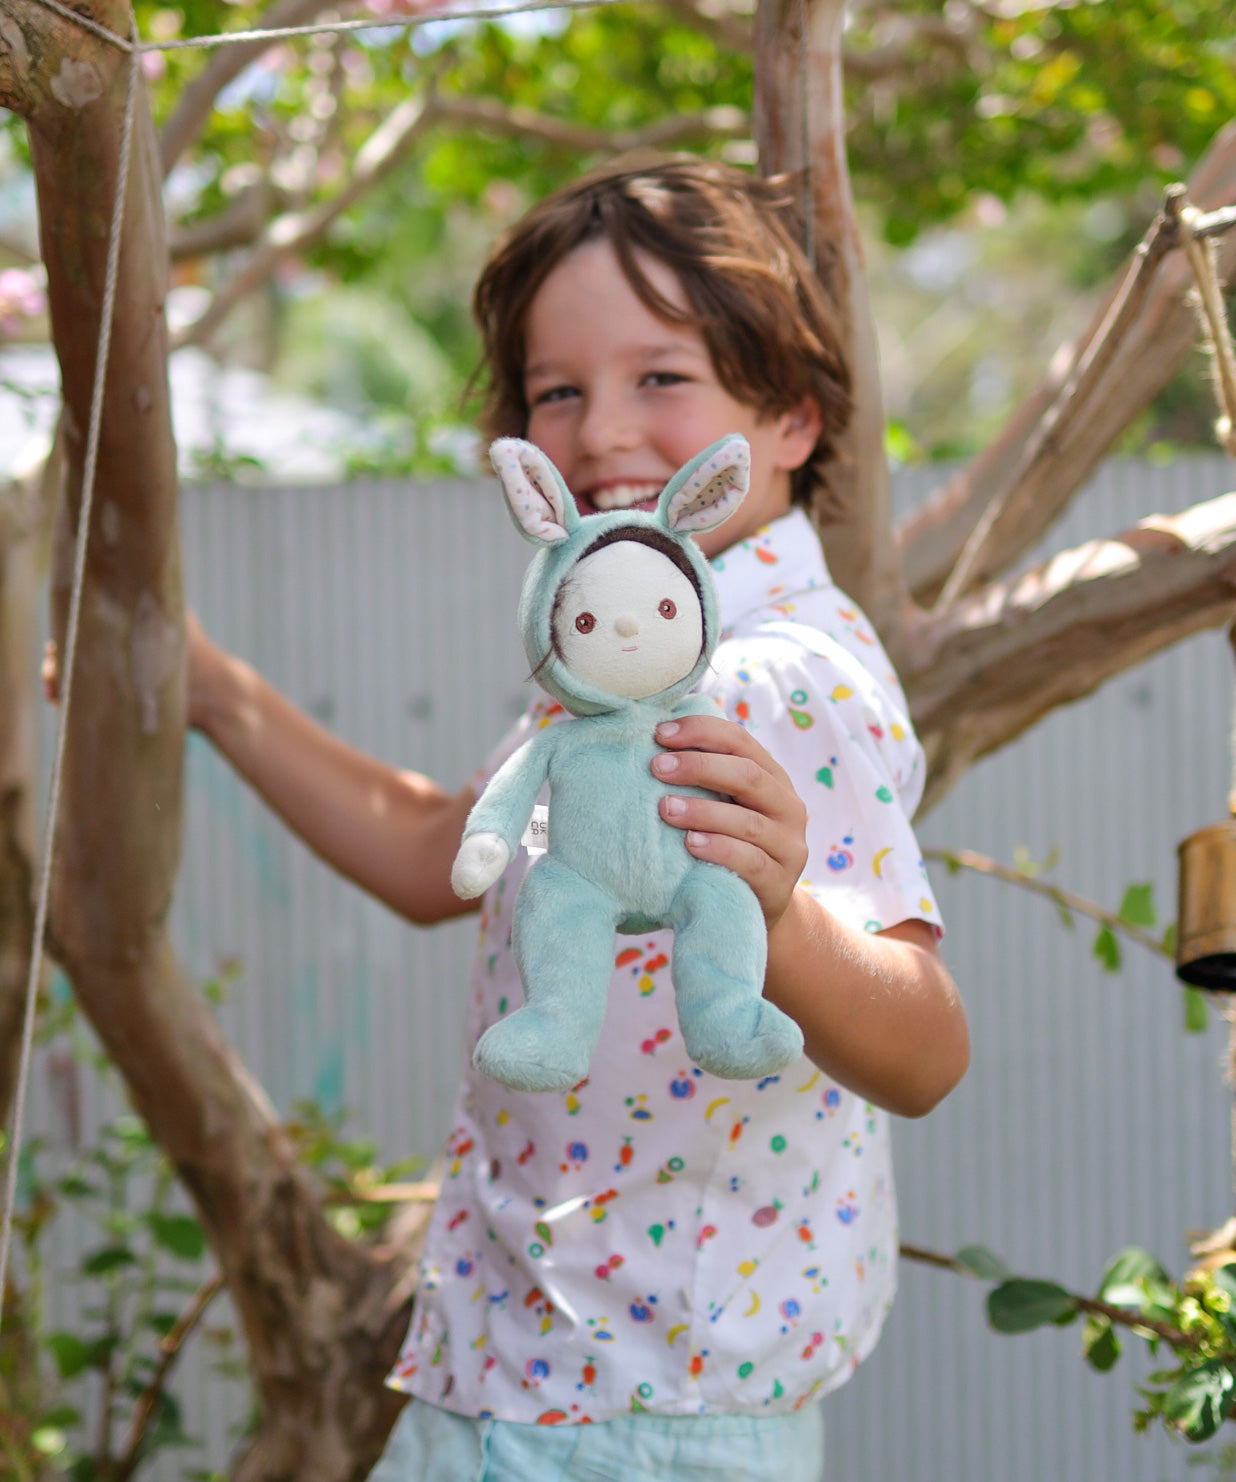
(79,575)
(1201,254)
(323,28)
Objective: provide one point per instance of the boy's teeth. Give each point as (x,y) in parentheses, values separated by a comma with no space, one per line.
(623,496)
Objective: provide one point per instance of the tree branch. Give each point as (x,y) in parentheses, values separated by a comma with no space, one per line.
(169,1352)
(1022,502)
(197,99)
(297,230)
(981,671)
(857,506)
(1067,900)
(239,224)
(1126,1317)
(932,536)
(492,116)
(728,28)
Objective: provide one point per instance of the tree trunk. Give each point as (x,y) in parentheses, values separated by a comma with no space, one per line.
(323,1317)
(799,126)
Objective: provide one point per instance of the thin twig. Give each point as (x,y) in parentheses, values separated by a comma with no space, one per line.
(967,859)
(1127,1317)
(1092,362)
(169,1351)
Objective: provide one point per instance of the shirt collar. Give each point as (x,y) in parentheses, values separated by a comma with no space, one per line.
(778,559)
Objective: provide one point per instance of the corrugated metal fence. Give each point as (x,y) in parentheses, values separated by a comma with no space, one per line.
(1088,1120)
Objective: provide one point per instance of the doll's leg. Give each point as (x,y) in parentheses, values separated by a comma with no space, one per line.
(563,936)
(720,952)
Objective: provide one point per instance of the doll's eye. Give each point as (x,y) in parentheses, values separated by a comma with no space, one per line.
(585,622)
(667,609)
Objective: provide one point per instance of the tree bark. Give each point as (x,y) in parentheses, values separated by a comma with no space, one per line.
(800,128)
(323,1317)
(983,670)
(19,583)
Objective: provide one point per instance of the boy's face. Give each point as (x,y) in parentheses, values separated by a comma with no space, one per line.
(620,399)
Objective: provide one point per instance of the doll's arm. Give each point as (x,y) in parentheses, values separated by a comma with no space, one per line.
(499,817)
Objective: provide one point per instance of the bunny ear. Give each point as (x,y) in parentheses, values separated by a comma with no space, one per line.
(539,501)
(709,489)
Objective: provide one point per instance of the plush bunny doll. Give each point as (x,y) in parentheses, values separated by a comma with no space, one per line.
(618,617)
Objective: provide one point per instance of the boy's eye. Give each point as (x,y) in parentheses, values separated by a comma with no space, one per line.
(667,609)
(664,378)
(585,622)
(554,393)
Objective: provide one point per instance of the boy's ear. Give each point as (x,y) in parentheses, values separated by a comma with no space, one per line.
(708,490)
(539,501)
(800,429)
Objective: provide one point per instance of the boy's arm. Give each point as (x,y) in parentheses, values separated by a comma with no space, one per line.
(879,1012)
(393,833)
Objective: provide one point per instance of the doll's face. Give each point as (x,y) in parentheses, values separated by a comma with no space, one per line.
(629,621)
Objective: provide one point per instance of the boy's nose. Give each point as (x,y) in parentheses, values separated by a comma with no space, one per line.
(626,627)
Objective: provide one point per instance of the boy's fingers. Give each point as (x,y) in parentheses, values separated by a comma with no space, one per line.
(770,837)
(715,736)
(739,777)
(769,881)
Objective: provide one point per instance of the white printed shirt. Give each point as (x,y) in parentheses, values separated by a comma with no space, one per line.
(659,1239)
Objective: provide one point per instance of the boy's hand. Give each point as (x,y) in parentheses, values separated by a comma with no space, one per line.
(204,659)
(758,828)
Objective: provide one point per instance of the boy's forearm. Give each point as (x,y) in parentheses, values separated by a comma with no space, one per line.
(879,1012)
(393,833)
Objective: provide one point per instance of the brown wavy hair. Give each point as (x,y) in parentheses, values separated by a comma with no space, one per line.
(731,240)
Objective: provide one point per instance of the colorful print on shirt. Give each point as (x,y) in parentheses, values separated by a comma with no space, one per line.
(659,1239)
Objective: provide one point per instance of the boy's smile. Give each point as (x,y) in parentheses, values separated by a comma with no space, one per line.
(620,399)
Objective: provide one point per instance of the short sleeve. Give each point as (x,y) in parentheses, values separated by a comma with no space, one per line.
(853,758)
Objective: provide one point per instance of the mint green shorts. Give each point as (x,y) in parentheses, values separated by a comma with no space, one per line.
(429,1444)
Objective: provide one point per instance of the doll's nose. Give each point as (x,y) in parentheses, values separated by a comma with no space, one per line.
(626,627)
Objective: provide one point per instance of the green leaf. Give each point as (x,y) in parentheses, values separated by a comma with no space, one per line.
(1196,1402)
(73,1186)
(1169,939)
(1100,1346)
(1197,1011)
(181,1234)
(1025,865)
(1107,949)
(73,1355)
(106,1259)
(62,1416)
(1020,1305)
(1133,1267)
(982,1262)
(1137,907)
(1066,916)
(1224,1277)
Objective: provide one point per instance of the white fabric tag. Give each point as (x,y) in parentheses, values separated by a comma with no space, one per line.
(536,835)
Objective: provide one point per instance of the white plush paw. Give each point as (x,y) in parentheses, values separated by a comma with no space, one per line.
(481,859)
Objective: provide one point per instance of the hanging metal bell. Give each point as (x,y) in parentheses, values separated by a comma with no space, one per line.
(1206,921)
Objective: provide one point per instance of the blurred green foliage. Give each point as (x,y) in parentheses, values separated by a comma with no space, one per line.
(1068,106)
